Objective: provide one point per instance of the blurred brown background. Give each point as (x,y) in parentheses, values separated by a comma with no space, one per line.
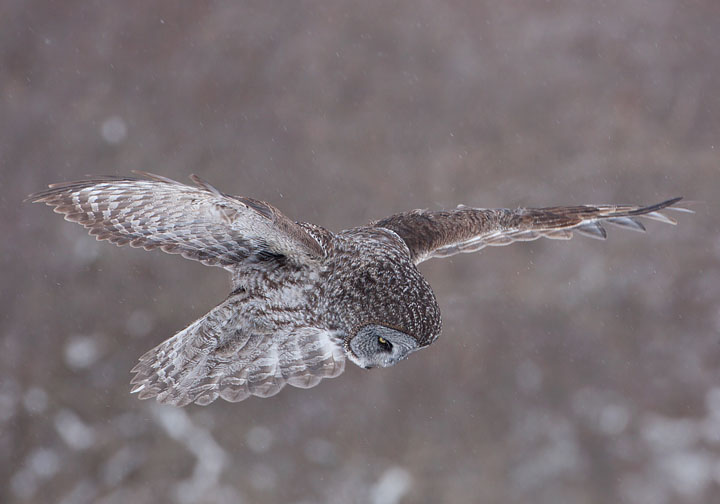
(578,372)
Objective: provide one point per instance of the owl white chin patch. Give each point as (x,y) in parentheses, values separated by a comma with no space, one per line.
(351,356)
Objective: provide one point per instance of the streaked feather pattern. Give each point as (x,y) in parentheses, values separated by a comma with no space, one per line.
(448,232)
(198,222)
(304,299)
(223,355)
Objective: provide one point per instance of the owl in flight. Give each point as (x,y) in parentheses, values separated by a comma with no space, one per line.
(303,298)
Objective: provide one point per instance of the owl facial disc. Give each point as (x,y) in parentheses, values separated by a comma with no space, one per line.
(375,345)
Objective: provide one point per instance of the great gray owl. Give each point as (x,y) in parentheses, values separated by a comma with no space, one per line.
(303,298)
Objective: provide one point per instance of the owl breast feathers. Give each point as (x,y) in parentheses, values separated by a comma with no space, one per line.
(303,299)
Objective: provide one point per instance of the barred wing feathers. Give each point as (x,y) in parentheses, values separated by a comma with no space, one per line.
(220,356)
(447,232)
(198,222)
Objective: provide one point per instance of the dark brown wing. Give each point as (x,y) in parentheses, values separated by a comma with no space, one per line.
(448,232)
(198,222)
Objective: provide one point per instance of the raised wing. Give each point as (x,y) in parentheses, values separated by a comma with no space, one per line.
(199,222)
(214,357)
(448,232)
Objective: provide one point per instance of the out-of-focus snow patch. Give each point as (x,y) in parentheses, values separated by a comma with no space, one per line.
(320,451)
(711,424)
(117,467)
(391,487)
(712,401)
(528,376)
(263,477)
(259,439)
(593,275)
(81,352)
(140,323)
(556,453)
(588,402)
(129,424)
(77,434)
(638,490)
(604,411)
(7,406)
(35,400)
(717,247)
(613,420)
(85,251)
(211,458)
(40,465)
(681,464)
(83,493)
(24,484)
(113,130)
(689,472)
(44,462)
(666,434)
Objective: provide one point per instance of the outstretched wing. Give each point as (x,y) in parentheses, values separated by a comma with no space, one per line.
(198,222)
(448,232)
(220,356)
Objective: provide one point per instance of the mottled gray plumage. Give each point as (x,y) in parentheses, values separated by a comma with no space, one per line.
(304,299)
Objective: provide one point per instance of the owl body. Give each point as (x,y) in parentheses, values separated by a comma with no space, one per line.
(371,279)
(304,300)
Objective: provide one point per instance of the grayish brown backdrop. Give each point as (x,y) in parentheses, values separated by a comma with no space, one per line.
(579,372)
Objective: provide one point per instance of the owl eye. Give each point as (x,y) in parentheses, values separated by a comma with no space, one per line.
(385,344)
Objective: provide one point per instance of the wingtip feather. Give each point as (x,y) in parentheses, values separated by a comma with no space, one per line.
(592,229)
(153,176)
(204,184)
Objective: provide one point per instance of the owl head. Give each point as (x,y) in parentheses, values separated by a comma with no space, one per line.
(376,345)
